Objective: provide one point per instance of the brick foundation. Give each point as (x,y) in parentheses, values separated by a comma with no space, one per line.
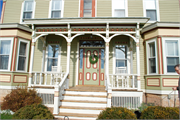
(161,100)
(3,93)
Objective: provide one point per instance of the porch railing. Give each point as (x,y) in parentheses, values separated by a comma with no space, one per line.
(123,81)
(46,78)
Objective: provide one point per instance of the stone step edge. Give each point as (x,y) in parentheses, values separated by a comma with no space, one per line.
(78,95)
(84,101)
(84,90)
(77,115)
(82,108)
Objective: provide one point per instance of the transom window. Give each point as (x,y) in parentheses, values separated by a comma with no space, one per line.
(121,58)
(172,54)
(28,9)
(56,8)
(52,56)
(150,9)
(152,57)
(119,8)
(5,53)
(92,43)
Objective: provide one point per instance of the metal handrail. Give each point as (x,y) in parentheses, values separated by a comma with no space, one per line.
(168,96)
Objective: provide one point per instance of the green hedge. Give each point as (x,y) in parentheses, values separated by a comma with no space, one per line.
(116,113)
(158,112)
(34,111)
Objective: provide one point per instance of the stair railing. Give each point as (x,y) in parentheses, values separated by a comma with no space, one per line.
(169,97)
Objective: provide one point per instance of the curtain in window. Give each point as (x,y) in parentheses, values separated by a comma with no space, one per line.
(119,8)
(56,9)
(5,48)
(172,55)
(52,60)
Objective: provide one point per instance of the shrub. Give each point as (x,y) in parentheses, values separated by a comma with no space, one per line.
(34,111)
(19,98)
(116,113)
(159,112)
(144,106)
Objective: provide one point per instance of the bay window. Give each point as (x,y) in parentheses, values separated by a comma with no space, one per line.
(5,53)
(22,55)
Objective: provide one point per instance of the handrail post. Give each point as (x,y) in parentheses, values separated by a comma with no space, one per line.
(56,100)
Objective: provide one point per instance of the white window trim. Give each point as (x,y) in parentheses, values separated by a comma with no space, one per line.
(164,53)
(10,54)
(50,7)
(126,8)
(147,53)
(22,10)
(157,11)
(27,55)
(46,56)
(128,60)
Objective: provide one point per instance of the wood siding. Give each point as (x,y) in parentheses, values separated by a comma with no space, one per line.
(42,8)
(12,11)
(104,8)
(135,8)
(71,8)
(169,10)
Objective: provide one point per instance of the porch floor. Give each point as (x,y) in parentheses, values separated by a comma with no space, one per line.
(90,88)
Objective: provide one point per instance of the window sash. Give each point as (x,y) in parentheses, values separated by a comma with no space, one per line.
(28,6)
(150,4)
(151,14)
(152,65)
(5,48)
(87,12)
(172,48)
(22,56)
(118,4)
(56,5)
(119,12)
(171,62)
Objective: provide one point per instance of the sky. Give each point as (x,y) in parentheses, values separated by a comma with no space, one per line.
(1,2)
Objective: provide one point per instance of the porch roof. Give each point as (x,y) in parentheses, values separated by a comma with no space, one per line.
(87,20)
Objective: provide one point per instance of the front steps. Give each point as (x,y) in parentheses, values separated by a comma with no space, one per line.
(83,102)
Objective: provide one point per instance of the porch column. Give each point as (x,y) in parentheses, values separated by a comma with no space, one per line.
(68,59)
(138,58)
(31,63)
(107,58)
(43,61)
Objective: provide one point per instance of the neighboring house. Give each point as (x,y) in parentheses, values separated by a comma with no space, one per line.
(50,45)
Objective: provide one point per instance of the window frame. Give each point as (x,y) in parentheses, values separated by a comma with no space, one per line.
(22,10)
(46,57)
(81,8)
(27,55)
(50,8)
(148,56)
(126,8)
(128,59)
(10,54)
(157,11)
(164,39)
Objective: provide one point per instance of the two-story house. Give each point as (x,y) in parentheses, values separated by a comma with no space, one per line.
(84,55)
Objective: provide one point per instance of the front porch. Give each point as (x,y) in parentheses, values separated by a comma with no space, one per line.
(68,47)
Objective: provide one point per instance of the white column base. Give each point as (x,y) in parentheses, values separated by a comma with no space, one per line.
(56,100)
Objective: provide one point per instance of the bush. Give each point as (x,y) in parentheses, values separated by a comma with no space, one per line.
(158,112)
(144,106)
(116,113)
(19,98)
(35,111)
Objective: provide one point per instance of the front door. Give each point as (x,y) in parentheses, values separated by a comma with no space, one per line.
(91,74)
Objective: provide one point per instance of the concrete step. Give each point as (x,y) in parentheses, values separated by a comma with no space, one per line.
(84,101)
(88,98)
(85,93)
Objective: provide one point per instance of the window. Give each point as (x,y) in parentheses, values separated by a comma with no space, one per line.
(56,8)
(87,8)
(119,8)
(172,54)
(152,57)
(151,9)
(5,53)
(121,58)
(28,9)
(52,56)
(22,55)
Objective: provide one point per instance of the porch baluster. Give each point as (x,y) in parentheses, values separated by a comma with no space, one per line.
(51,79)
(128,81)
(123,82)
(133,81)
(46,79)
(40,78)
(35,78)
(117,81)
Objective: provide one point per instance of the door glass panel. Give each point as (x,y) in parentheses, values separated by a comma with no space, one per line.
(102,58)
(81,58)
